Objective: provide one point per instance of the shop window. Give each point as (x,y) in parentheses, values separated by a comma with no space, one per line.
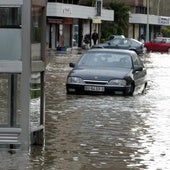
(10,100)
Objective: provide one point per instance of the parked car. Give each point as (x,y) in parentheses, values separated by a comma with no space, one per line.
(107,71)
(159,44)
(123,43)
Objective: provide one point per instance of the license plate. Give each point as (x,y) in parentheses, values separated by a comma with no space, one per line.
(94,88)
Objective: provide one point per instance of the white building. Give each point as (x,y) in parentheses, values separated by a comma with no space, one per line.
(138,24)
(67,24)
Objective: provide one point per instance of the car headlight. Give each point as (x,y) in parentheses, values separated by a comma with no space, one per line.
(75,80)
(117,82)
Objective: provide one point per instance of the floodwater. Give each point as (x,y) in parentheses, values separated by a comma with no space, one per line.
(101,132)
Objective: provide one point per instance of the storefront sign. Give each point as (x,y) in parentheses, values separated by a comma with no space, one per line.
(60,21)
(97,21)
(66,10)
(55,21)
(164,20)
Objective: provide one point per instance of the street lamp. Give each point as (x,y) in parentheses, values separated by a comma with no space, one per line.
(147,26)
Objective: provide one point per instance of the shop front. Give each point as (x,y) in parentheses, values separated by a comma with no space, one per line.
(68,24)
(154,22)
(60,33)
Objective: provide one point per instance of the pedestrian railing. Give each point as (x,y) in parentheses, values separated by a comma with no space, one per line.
(10,135)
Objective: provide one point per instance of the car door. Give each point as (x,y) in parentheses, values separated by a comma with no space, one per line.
(158,44)
(162,45)
(153,45)
(139,76)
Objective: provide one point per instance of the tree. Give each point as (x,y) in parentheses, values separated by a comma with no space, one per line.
(166,31)
(121,20)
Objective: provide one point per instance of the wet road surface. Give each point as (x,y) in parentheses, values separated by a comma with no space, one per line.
(102,132)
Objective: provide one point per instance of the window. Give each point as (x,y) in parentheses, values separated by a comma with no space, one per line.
(65,1)
(10,110)
(36,24)
(136,61)
(36,32)
(10,33)
(10,17)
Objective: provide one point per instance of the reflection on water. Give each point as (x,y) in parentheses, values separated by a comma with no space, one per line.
(105,132)
(35,112)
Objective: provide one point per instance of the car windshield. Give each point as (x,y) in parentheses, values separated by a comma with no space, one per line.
(158,39)
(106,59)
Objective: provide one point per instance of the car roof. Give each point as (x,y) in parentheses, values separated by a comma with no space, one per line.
(161,38)
(111,50)
(132,39)
(116,36)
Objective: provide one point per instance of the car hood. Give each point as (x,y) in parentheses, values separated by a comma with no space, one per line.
(100,74)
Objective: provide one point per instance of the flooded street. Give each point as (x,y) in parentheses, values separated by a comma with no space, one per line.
(102,132)
(108,132)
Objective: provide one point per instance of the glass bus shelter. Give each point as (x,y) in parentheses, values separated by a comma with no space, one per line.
(22,68)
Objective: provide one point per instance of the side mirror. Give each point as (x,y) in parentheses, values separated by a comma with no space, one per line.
(138,68)
(72,65)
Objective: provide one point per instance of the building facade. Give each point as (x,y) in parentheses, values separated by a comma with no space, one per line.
(148,14)
(68,23)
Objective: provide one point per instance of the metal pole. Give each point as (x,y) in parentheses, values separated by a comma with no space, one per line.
(147,26)
(25,75)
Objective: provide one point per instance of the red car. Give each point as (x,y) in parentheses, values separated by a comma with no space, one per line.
(160,44)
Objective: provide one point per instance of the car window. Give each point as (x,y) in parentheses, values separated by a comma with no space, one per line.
(167,40)
(158,39)
(105,59)
(115,36)
(134,42)
(123,42)
(136,61)
(127,42)
(115,41)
